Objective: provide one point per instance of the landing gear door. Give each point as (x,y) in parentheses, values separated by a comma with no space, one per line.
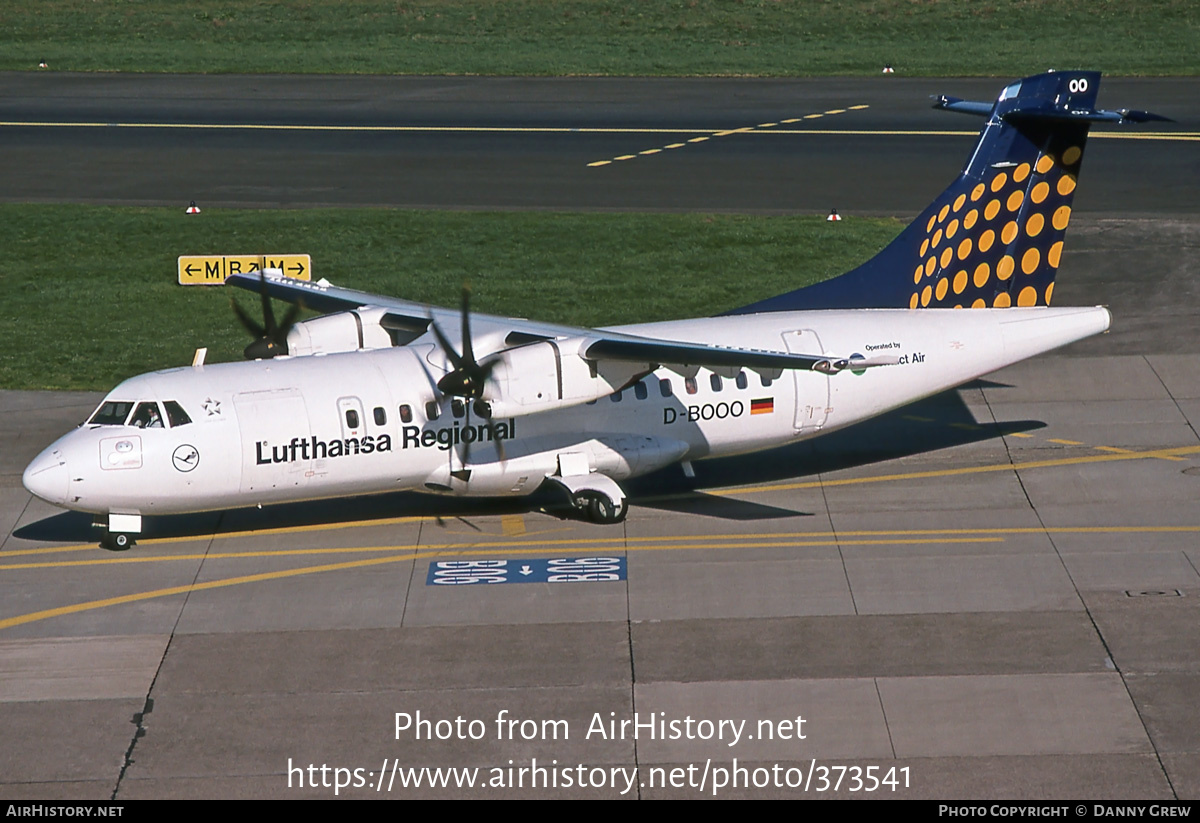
(274,424)
(812,388)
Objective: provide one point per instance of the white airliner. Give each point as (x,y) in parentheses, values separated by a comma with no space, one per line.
(382,395)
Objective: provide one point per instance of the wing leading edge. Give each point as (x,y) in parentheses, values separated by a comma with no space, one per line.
(597,344)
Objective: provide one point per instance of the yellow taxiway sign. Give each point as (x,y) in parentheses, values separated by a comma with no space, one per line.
(212,269)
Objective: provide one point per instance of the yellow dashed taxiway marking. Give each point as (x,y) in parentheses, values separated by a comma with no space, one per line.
(1057,440)
(761,128)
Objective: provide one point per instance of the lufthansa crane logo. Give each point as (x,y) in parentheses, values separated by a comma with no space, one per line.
(185,458)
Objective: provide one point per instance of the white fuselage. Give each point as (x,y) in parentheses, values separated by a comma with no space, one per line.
(334,425)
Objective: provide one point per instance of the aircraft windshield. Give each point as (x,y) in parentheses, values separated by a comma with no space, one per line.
(176,414)
(111,413)
(146,416)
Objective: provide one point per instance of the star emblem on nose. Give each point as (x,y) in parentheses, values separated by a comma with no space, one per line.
(212,407)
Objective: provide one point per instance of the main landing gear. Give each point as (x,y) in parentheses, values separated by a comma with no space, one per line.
(599,508)
(594,497)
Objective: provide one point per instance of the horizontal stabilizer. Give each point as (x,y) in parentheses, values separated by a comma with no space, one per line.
(1062,107)
(961,106)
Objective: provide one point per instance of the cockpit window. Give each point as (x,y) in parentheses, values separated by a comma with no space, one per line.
(146,416)
(111,413)
(175,414)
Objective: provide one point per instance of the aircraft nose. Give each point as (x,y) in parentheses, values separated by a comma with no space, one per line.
(47,477)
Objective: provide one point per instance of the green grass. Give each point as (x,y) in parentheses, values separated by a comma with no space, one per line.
(604,37)
(90,295)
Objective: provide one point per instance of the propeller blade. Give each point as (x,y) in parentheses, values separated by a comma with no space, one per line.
(466,455)
(445,344)
(268,312)
(469,378)
(289,320)
(248,322)
(270,336)
(495,438)
(468,348)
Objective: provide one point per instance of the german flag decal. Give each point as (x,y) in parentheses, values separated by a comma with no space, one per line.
(763,405)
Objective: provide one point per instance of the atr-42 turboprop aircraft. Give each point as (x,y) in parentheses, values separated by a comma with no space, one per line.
(383,395)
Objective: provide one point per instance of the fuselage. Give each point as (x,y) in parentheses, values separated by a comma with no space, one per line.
(299,428)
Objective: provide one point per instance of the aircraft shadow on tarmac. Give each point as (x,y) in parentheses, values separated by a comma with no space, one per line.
(939,422)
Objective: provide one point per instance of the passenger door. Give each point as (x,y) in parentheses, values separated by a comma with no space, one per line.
(812,387)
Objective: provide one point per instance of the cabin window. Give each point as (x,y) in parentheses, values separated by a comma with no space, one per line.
(146,416)
(457,407)
(664,387)
(689,385)
(380,416)
(431,410)
(406,413)
(714,380)
(111,413)
(742,380)
(176,416)
(640,391)
(352,419)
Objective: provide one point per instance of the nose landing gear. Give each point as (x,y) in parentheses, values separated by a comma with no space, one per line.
(117,542)
(119,531)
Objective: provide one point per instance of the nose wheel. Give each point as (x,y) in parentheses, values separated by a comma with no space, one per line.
(116,542)
(119,531)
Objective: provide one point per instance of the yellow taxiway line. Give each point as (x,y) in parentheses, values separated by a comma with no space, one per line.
(399,554)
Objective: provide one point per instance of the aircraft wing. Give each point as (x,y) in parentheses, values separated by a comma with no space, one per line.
(323,296)
(596,344)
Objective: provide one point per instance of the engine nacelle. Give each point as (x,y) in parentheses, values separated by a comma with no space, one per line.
(357,330)
(551,374)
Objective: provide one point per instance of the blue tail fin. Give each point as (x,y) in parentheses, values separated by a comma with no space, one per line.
(994,238)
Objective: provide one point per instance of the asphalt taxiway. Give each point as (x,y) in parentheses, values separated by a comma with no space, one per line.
(991,593)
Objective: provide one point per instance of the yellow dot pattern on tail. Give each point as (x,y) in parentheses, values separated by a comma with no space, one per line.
(1005,253)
